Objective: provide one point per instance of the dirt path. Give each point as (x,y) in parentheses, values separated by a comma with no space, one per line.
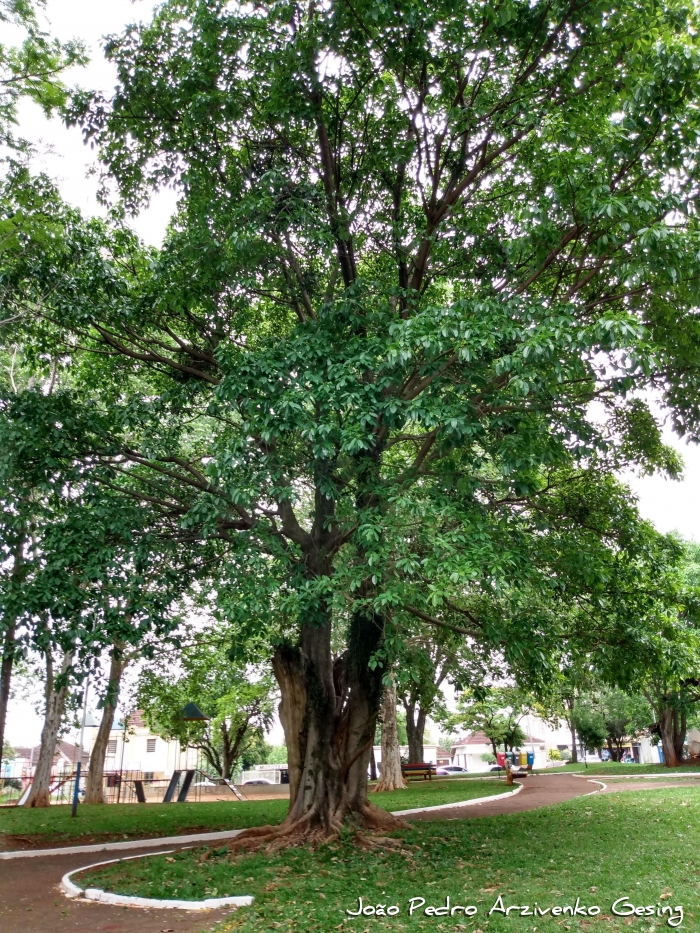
(539,790)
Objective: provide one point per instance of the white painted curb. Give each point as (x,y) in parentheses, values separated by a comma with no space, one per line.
(122,846)
(602,788)
(673,776)
(461,803)
(71,889)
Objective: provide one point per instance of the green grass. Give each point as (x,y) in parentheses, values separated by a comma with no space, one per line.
(133,821)
(436,792)
(644,846)
(616,767)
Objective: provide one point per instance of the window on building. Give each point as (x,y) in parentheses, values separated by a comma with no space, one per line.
(112,747)
(150,745)
(148,775)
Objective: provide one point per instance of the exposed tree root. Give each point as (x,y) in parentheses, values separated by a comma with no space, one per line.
(390,784)
(311,830)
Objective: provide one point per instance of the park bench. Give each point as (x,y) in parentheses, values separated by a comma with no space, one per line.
(423,769)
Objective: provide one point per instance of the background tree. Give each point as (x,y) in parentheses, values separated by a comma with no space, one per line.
(589,723)
(670,683)
(613,718)
(239,708)
(7,753)
(391,775)
(495,711)
(427,659)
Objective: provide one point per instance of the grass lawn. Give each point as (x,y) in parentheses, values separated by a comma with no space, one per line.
(645,846)
(133,821)
(617,768)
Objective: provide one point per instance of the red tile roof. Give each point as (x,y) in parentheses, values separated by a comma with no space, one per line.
(135,720)
(479,738)
(65,749)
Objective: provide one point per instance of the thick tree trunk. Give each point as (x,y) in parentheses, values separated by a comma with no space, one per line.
(391,777)
(40,795)
(680,727)
(328,712)
(672,738)
(94,792)
(415,732)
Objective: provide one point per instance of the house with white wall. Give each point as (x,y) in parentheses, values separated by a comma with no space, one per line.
(135,748)
(23,765)
(468,750)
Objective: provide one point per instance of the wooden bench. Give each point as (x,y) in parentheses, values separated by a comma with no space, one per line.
(423,769)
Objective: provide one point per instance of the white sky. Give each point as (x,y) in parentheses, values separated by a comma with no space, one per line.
(671,506)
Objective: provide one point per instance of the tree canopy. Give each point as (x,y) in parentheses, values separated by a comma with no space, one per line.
(426,261)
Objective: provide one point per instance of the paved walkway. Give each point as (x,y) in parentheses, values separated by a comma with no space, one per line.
(31,900)
(540,790)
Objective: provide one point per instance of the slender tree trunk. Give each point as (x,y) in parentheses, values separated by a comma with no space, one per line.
(40,796)
(8,660)
(415,731)
(94,792)
(372,765)
(391,777)
(226,753)
(572,730)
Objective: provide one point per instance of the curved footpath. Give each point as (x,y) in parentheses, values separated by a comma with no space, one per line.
(539,790)
(31,900)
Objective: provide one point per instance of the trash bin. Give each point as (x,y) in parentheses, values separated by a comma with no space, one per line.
(523,759)
(284,776)
(531,759)
(501,759)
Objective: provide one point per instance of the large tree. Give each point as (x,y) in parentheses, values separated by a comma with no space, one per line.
(414,245)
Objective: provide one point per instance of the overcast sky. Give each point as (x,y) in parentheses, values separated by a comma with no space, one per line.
(671,506)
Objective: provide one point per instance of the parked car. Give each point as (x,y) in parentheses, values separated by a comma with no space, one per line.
(257,781)
(447,770)
(205,783)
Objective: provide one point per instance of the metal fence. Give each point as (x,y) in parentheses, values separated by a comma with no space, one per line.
(128,787)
